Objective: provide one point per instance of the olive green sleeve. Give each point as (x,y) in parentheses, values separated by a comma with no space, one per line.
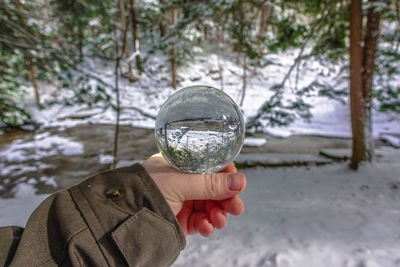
(116,218)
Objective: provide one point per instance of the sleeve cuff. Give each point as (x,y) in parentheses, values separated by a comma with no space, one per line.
(126,205)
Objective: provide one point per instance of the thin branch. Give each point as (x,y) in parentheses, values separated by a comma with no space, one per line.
(143,113)
(116,73)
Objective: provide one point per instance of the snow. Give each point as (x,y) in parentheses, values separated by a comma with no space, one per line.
(253,141)
(24,190)
(105,159)
(299,216)
(44,145)
(330,117)
(392,140)
(17,169)
(16,211)
(49,181)
(314,216)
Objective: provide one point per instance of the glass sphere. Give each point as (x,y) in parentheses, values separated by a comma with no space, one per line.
(199,129)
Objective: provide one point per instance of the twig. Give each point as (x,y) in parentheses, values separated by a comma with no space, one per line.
(145,114)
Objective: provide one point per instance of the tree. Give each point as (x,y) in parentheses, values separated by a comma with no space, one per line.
(162,25)
(125,44)
(135,34)
(356,89)
(264,19)
(27,55)
(362,68)
(174,53)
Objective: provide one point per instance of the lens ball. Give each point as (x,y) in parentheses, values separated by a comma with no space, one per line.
(199,129)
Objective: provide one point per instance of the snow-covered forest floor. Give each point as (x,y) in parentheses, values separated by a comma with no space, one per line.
(330,115)
(296,216)
(315,216)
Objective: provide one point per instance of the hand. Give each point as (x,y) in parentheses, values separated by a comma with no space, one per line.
(199,201)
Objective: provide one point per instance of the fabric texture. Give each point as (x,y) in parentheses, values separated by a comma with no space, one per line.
(115,218)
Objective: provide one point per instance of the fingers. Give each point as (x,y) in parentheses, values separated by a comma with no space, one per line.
(233,205)
(184,215)
(199,223)
(216,214)
(205,227)
(199,205)
(230,168)
(203,216)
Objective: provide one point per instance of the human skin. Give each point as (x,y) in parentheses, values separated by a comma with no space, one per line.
(200,202)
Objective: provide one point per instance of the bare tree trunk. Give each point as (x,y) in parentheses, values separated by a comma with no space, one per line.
(362,68)
(118,107)
(264,17)
(122,15)
(242,51)
(244,80)
(135,32)
(116,133)
(28,57)
(80,41)
(32,70)
(125,45)
(174,50)
(220,69)
(397,7)
(369,54)
(359,153)
(163,24)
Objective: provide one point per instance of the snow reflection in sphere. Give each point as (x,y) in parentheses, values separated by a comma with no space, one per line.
(199,129)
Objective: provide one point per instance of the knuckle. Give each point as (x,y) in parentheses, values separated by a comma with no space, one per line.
(214,184)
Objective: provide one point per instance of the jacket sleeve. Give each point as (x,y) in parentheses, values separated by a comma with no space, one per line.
(115,218)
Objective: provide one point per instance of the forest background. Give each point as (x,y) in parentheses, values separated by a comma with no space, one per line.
(57,42)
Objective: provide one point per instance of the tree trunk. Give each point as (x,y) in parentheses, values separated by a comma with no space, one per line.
(397,8)
(32,70)
(163,25)
(264,17)
(242,51)
(369,54)
(244,80)
(28,56)
(220,69)
(356,87)
(116,133)
(118,104)
(125,45)
(122,15)
(362,75)
(135,32)
(174,50)
(80,41)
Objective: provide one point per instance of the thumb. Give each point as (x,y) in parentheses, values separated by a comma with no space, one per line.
(215,186)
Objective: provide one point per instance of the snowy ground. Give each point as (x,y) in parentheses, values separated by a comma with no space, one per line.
(318,216)
(330,117)
(299,216)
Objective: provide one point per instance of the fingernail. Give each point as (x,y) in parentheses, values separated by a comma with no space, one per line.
(235,182)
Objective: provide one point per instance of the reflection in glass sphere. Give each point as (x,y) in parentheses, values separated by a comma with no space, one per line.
(199,129)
